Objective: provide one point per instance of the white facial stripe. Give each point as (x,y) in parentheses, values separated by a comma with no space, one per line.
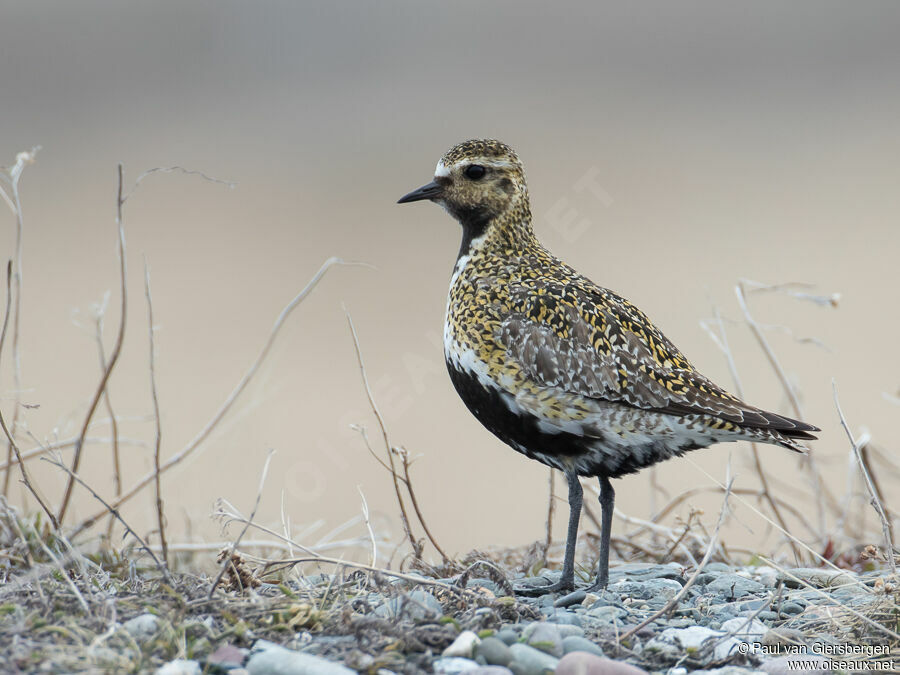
(441,171)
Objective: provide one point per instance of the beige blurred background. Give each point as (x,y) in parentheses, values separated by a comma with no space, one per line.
(757,141)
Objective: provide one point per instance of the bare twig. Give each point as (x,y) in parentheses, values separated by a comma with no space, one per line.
(205,432)
(111,509)
(11,177)
(395,476)
(107,402)
(754,449)
(68,443)
(818,484)
(234,545)
(160,517)
(175,169)
(690,582)
(365,510)
(551,507)
(867,478)
(407,481)
(9,436)
(113,357)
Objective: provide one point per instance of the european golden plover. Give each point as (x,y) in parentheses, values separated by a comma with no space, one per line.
(564,371)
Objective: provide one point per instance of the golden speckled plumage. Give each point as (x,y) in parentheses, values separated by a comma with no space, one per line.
(563,370)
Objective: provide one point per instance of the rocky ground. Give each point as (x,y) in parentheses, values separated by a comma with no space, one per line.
(731,621)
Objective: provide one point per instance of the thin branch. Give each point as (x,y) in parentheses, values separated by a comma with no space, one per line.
(13,174)
(671,604)
(111,509)
(867,478)
(228,557)
(229,401)
(754,449)
(365,510)
(404,456)
(176,169)
(9,437)
(114,424)
(160,517)
(113,357)
(395,477)
(818,484)
(68,443)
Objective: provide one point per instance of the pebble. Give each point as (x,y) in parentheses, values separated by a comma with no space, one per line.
(734,586)
(573,598)
(530,661)
(142,627)
(783,636)
(267,658)
(417,604)
(508,635)
(574,643)
(463,645)
(450,665)
(494,651)
(747,630)
(818,578)
(179,667)
(582,663)
(490,670)
(791,608)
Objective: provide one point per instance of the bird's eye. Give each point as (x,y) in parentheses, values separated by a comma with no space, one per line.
(475,171)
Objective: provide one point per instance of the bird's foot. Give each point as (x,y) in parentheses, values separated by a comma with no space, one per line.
(599,585)
(561,586)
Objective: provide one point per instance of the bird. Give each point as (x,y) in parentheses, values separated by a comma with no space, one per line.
(562,370)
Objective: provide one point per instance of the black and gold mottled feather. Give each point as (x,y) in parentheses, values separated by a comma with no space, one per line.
(562,370)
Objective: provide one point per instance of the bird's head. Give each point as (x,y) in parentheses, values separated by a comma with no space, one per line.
(477,182)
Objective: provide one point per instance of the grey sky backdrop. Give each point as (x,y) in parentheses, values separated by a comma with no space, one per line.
(724,141)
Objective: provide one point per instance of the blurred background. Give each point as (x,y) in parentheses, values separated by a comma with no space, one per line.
(672,149)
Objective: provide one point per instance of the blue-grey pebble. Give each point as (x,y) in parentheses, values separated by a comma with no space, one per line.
(573,598)
(530,661)
(508,635)
(494,651)
(575,643)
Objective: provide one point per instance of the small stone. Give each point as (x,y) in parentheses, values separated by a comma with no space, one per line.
(494,651)
(573,598)
(227,656)
(417,604)
(508,635)
(747,630)
(787,665)
(818,578)
(791,609)
(547,637)
(574,643)
(563,616)
(734,586)
(142,627)
(583,663)
(561,629)
(267,658)
(179,667)
(490,670)
(607,614)
(674,642)
(767,615)
(767,576)
(530,661)
(463,645)
(450,665)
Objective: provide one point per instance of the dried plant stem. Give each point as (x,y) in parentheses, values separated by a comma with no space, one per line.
(818,485)
(754,448)
(68,443)
(107,402)
(671,604)
(391,465)
(9,436)
(210,426)
(115,513)
(874,499)
(160,516)
(15,204)
(228,557)
(113,357)
(395,476)
(551,507)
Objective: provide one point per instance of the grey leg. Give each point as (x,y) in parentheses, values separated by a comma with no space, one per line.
(567,579)
(607,499)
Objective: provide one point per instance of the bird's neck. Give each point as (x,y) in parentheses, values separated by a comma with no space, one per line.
(510,230)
